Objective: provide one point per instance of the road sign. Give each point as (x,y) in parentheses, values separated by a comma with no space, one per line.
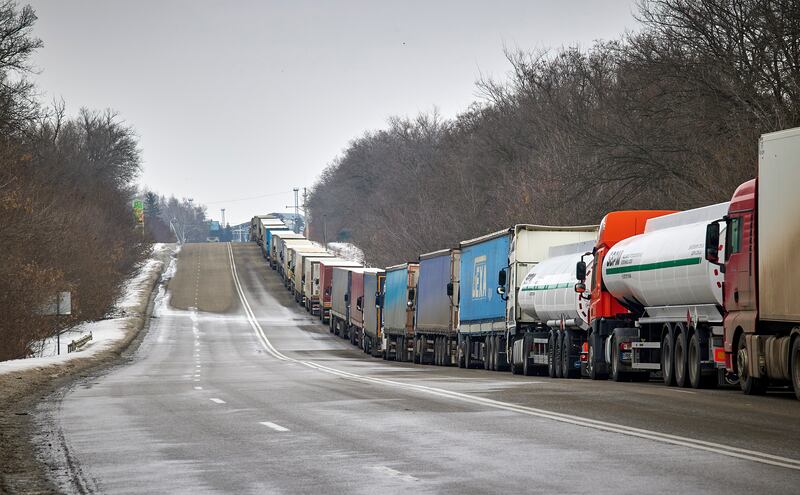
(138,212)
(58,305)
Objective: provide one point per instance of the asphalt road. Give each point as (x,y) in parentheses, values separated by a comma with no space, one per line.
(244,392)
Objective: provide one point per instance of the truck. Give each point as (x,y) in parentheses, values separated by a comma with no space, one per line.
(373,312)
(265,227)
(299,273)
(436,319)
(358,300)
(276,245)
(326,284)
(256,234)
(311,281)
(284,256)
(655,303)
(761,282)
(294,266)
(558,317)
(490,319)
(341,286)
(399,301)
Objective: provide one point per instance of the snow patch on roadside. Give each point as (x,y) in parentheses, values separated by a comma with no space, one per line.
(107,332)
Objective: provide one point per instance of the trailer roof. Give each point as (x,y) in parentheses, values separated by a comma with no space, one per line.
(401,266)
(483,238)
(574,248)
(436,254)
(289,234)
(338,262)
(704,214)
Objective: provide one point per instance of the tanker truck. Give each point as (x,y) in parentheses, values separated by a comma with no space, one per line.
(656,302)
(490,319)
(761,278)
(558,317)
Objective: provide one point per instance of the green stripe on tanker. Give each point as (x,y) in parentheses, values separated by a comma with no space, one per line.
(653,266)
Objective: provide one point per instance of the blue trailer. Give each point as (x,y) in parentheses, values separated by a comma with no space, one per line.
(436,322)
(399,300)
(492,270)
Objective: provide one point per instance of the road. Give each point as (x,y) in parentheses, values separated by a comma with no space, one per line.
(242,391)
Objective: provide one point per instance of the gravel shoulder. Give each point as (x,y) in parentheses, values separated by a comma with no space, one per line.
(21,391)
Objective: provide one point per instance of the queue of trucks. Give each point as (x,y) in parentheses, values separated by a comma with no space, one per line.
(694,298)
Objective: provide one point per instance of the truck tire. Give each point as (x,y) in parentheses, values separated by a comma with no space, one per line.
(559,340)
(668,359)
(794,361)
(694,367)
(749,384)
(591,368)
(551,354)
(462,361)
(681,357)
(616,374)
(568,357)
(487,359)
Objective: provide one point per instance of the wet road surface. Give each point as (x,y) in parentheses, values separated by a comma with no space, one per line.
(245,392)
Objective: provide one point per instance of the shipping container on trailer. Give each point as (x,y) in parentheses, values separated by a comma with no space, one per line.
(358,301)
(761,277)
(398,311)
(276,245)
(373,311)
(492,269)
(436,322)
(325,283)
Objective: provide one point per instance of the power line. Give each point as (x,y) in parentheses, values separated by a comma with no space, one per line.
(249,198)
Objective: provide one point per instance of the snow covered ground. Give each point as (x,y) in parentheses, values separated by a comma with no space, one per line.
(347,251)
(107,332)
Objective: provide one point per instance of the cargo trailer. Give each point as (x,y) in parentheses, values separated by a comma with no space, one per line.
(267,227)
(436,322)
(283,255)
(276,245)
(358,300)
(399,303)
(761,280)
(326,281)
(299,273)
(311,281)
(294,271)
(490,319)
(373,311)
(341,282)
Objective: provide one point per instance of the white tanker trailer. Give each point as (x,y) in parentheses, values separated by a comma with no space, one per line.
(662,276)
(560,316)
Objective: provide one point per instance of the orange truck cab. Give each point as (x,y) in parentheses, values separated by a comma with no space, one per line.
(606,313)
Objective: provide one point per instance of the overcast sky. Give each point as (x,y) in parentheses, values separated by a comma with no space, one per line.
(238,99)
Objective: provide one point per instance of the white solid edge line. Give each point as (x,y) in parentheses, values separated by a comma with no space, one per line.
(726,450)
(270,424)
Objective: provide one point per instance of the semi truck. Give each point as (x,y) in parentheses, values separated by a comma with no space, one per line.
(436,321)
(399,301)
(276,245)
(341,286)
(311,281)
(299,273)
(284,255)
(294,266)
(326,267)
(265,227)
(373,312)
(559,317)
(761,287)
(358,301)
(490,319)
(672,299)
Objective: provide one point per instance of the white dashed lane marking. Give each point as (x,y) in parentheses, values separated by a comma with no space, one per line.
(272,425)
(218,401)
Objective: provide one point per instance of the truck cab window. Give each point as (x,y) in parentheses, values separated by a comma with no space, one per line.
(733,237)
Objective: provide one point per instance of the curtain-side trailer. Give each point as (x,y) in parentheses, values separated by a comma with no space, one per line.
(373,312)
(399,301)
(325,284)
(436,322)
(276,245)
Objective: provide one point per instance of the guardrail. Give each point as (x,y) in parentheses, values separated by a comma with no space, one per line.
(77,344)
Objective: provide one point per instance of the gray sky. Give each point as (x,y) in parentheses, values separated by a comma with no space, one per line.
(238,99)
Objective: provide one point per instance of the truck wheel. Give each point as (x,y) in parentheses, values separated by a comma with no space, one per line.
(794,360)
(462,362)
(668,360)
(693,362)
(749,384)
(681,365)
(493,365)
(551,354)
(616,374)
(568,358)
(487,360)
(559,339)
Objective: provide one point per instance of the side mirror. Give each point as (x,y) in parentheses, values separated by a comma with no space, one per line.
(712,243)
(580,272)
(347,298)
(501,278)
(411,295)
(359,301)
(450,288)
(580,287)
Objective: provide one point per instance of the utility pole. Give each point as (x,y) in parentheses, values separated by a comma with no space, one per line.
(223,217)
(296,210)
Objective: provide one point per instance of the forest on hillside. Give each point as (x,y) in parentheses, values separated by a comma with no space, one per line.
(667,116)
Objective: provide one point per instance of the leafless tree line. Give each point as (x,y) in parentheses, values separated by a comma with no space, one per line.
(66,186)
(665,117)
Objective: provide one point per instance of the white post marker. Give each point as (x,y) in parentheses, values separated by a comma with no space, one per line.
(272,425)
